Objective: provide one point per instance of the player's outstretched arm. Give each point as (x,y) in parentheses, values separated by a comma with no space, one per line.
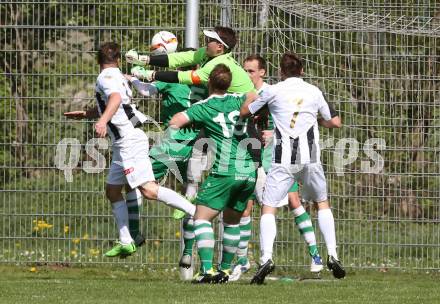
(334,122)
(144,88)
(244,110)
(90,113)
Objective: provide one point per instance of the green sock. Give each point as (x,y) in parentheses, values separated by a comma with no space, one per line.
(188,235)
(205,244)
(231,238)
(134,203)
(245,236)
(302,220)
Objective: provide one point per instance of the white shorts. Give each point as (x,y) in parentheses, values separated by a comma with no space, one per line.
(280,179)
(259,188)
(130,163)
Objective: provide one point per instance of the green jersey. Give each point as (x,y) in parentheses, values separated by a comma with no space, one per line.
(220,116)
(241,83)
(177,98)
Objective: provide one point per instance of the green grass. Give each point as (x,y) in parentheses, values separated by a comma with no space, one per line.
(51,284)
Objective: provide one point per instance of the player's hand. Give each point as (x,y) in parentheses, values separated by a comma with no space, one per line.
(267,136)
(133,57)
(128,77)
(76,114)
(142,73)
(101,129)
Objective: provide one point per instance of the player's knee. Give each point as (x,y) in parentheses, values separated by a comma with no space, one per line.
(322,205)
(113,193)
(149,190)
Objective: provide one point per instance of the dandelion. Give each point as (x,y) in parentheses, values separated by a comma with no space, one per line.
(76,241)
(93,251)
(74,253)
(85,236)
(33,269)
(178,234)
(66,229)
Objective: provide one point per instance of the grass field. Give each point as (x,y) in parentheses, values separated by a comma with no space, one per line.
(51,284)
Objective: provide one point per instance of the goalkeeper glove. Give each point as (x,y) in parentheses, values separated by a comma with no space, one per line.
(142,73)
(133,57)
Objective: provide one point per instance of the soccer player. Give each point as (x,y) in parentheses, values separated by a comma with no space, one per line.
(294,105)
(232,178)
(219,44)
(130,161)
(255,66)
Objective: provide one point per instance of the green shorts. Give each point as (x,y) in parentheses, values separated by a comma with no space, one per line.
(219,191)
(172,157)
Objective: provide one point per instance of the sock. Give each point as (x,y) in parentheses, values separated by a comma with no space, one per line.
(231,238)
(188,235)
(173,199)
(134,203)
(268,232)
(120,213)
(302,220)
(205,244)
(245,236)
(327,226)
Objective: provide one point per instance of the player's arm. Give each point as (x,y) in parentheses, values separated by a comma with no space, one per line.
(179,120)
(114,101)
(144,88)
(89,113)
(334,122)
(253,104)
(329,117)
(173,60)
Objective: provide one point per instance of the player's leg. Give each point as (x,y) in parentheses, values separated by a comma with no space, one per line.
(125,246)
(304,224)
(278,182)
(245,225)
(211,200)
(134,205)
(315,189)
(205,242)
(242,190)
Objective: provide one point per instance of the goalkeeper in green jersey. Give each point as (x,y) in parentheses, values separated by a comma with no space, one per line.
(232,178)
(219,44)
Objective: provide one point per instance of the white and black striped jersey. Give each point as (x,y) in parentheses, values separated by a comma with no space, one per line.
(126,118)
(294,105)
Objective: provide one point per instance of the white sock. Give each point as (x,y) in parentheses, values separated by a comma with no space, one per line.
(327,226)
(191,190)
(120,212)
(268,232)
(173,199)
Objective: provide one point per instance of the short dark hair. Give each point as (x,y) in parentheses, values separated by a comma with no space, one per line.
(227,35)
(109,52)
(291,65)
(262,65)
(220,77)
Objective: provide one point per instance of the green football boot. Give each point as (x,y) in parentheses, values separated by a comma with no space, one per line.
(121,250)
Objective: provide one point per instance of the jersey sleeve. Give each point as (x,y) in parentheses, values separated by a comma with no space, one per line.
(266,97)
(111,84)
(197,113)
(325,109)
(182,59)
(201,75)
(160,86)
